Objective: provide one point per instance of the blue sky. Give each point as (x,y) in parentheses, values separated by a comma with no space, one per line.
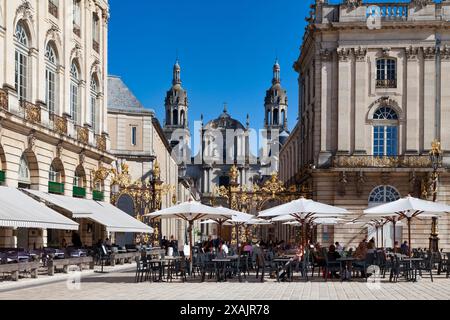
(226,50)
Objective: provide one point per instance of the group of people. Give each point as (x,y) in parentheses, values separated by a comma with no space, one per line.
(170,245)
(217,245)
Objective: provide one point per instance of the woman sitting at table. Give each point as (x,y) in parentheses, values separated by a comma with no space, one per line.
(332,256)
(360,256)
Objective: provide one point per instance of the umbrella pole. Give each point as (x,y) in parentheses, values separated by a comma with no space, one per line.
(382,236)
(393,245)
(191,255)
(376,228)
(409,236)
(303,233)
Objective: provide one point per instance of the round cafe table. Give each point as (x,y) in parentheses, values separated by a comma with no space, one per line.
(346,267)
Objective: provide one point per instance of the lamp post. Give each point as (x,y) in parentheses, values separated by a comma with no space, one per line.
(436,162)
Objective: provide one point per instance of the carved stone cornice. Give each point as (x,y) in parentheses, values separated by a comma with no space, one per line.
(412,53)
(429,53)
(54,33)
(421,3)
(25,11)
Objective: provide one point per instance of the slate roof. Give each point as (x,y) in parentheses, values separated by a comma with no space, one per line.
(120,97)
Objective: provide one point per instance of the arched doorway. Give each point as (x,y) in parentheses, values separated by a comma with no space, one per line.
(126,204)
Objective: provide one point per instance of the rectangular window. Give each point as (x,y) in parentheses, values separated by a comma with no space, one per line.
(386,73)
(53,7)
(74,102)
(77,17)
(93,110)
(133,136)
(96,33)
(50,78)
(21,75)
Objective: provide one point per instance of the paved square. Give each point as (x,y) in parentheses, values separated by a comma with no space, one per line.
(119,285)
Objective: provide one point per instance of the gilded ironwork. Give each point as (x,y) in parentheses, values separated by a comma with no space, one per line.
(82,134)
(101,142)
(99,175)
(3,100)
(59,124)
(32,112)
(381,162)
(145,194)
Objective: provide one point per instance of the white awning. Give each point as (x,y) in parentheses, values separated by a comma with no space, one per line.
(114,219)
(17,210)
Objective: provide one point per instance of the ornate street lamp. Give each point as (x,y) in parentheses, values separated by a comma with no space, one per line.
(436,162)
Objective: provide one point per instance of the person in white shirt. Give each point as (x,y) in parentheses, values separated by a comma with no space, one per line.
(224,248)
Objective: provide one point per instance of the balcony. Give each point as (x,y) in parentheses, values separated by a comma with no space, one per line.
(96,46)
(4,100)
(79,192)
(82,134)
(381,162)
(390,11)
(101,142)
(77,30)
(2,176)
(98,195)
(386,84)
(32,112)
(59,124)
(53,9)
(55,187)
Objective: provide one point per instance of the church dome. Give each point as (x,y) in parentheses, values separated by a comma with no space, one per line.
(224,121)
(276,95)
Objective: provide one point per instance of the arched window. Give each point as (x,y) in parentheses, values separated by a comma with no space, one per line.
(175,117)
(21,62)
(275,117)
(385,132)
(182,118)
(94,97)
(75,93)
(383,194)
(283,117)
(24,171)
(54,175)
(51,65)
(386,73)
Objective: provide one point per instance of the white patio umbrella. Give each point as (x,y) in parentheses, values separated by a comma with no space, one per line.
(191,211)
(209,221)
(408,208)
(260,222)
(303,210)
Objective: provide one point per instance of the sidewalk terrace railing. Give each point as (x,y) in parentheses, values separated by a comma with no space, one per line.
(381,162)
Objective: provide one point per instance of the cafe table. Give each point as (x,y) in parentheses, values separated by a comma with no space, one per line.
(346,267)
(411,266)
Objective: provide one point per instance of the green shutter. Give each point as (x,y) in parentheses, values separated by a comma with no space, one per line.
(2,176)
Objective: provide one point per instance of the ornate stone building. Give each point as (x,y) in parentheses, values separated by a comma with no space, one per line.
(138,140)
(53,128)
(373,83)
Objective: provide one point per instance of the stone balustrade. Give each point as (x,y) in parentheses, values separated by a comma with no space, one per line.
(381,162)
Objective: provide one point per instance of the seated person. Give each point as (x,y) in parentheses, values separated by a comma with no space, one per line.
(332,256)
(404,249)
(291,263)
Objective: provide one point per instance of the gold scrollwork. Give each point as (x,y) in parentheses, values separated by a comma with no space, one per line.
(32,112)
(82,135)
(3,100)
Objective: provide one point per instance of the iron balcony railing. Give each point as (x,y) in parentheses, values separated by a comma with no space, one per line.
(381,162)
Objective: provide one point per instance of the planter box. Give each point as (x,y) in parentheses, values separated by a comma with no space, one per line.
(98,195)
(79,192)
(55,187)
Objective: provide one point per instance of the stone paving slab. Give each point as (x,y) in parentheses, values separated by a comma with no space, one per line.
(119,285)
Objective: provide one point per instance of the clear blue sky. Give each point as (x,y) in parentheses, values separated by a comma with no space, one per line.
(226,50)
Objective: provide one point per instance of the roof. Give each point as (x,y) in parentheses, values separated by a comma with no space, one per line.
(224,121)
(121,98)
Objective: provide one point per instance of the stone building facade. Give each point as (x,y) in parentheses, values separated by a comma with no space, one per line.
(373,84)
(53,128)
(138,140)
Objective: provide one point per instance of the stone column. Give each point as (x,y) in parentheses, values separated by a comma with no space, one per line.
(429,119)
(412,100)
(360,110)
(344,100)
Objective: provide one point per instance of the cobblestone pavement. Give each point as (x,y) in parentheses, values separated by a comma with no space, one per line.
(120,285)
